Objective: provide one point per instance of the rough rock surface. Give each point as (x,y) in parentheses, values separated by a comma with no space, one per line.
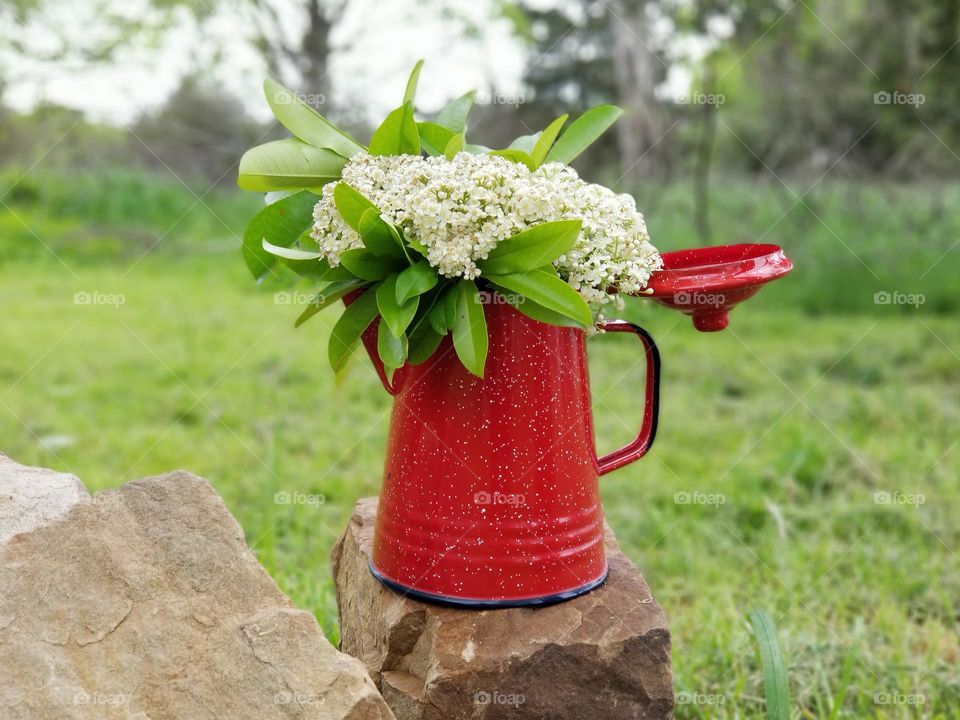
(30,496)
(602,655)
(145,603)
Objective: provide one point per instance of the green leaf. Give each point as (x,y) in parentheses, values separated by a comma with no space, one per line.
(550,270)
(346,333)
(470,328)
(525,142)
(423,343)
(478,149)
(453,116)
(397,315)
(532,310)
(457,144)
(411,90)
(290,253)
(306,123)
(547,290)
(582,132)
(532,248)
(274,195)
(392,349)
(775,686)
(545,141)
(416,280)
(397,135)
(364,264)
(317,269)
(517,156)
(326,297)
(450,306)
(414,244)
(423,338)
(433,137)
(314,269)
(351,204)
(380,237)
(286,164)
(282,222)
(437,316)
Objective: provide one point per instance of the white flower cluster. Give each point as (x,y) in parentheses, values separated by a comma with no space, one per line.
(460,209)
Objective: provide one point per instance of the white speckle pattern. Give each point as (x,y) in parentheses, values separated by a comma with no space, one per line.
(491,485)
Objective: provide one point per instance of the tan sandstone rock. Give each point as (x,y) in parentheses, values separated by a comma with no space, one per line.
(32,496)
(604,655)
(145,603)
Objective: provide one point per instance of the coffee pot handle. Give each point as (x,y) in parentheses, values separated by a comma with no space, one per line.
(651,408)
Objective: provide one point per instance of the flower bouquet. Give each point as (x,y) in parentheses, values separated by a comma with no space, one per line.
(420,226)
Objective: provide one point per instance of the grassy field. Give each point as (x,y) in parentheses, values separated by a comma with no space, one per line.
(806,461)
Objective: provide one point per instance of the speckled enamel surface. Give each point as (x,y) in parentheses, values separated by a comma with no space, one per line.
(490,485)
(707,283)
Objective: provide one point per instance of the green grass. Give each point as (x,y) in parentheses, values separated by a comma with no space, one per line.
(117,216)
(796,416)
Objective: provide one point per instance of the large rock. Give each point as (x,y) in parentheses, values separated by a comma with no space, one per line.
(145,603)
(602,655)
(30,497)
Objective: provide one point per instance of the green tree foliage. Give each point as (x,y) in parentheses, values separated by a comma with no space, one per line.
(797,82)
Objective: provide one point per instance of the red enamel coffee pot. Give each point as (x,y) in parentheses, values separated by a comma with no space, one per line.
(490,493)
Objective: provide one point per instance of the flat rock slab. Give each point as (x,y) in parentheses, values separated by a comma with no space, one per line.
(144,603)
(32,496)
(604,655)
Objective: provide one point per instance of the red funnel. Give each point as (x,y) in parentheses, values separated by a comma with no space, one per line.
(707,283)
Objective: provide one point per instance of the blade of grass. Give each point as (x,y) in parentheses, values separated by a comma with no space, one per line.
(846,677)
(775,687)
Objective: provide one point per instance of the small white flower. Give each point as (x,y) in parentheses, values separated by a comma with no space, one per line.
(460,209)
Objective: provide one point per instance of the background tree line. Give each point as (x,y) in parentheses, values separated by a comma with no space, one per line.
(769,88)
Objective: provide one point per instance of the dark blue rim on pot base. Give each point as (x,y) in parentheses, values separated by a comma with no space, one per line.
(468,604)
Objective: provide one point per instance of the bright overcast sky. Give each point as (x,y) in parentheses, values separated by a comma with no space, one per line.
(380,41)
(385,39)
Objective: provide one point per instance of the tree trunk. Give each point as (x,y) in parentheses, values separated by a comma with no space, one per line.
(299,62)
(635,75)
(315,50)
